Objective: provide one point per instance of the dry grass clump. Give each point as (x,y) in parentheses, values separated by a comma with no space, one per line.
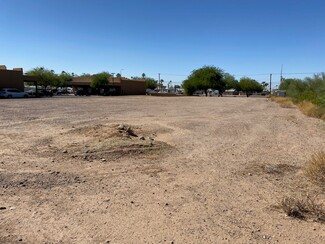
(315,168)
(307,108)
(312,110)
(303,208)
(283,102)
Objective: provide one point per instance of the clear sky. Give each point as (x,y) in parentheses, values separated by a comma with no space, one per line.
(171,37)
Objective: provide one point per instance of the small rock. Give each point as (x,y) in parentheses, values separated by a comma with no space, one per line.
(12,208)
(150,138)
(132,202)
(20,239)
(3,208)
(53,161)
(103,159)
(121,127)
(141,138)
(64,151)
(250,174)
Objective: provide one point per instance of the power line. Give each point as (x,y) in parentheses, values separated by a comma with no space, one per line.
(258,74)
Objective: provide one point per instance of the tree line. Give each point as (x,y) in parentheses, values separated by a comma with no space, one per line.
(207,77)
(48,78)
(211,77)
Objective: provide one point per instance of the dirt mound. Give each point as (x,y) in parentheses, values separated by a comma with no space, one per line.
(102,142)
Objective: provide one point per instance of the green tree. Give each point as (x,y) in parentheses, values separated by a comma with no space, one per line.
(64,78)
(231,82)
(118,75)
(100,80)
(249,85)
(45,77)
(143,75)
(207,77)
(151,83)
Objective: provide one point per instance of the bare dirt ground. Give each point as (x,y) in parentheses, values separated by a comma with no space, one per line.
(154,170)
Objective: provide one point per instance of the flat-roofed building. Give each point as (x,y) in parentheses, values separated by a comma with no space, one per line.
(14,78)
(116,85)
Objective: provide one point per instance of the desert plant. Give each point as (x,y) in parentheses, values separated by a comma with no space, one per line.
(283,101)
(312,110)
(303,208)
(315,169)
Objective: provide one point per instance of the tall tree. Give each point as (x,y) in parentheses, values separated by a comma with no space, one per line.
(44,76)
(151,83)
(231,82)
(100,80)
(249,85)
(64,78)
(207,77)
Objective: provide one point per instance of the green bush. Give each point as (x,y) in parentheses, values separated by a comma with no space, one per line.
(308,93)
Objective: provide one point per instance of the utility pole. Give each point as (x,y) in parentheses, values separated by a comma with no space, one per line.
(160,86)
(281,74)
(270,83)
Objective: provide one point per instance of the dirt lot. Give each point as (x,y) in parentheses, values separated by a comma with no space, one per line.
(154,170)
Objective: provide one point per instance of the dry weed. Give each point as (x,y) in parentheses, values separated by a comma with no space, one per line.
(283,102)
(303,208)
(312,110)
(307,108)
(315,168)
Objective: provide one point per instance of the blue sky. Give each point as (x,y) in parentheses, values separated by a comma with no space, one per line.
(171,37)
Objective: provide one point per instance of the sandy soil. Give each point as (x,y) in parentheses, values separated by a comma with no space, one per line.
(154,170)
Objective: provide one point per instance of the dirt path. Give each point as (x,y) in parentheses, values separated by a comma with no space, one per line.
(209,170)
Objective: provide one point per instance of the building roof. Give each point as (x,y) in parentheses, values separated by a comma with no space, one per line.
(86,80)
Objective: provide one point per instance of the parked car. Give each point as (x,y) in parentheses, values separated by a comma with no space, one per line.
(80,93)
(45,93)
(64,90)
(12,93)
(40,93)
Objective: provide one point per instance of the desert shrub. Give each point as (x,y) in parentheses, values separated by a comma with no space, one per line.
(315,168)
(310,89)
(308,94)
(303,208)
(283,102)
